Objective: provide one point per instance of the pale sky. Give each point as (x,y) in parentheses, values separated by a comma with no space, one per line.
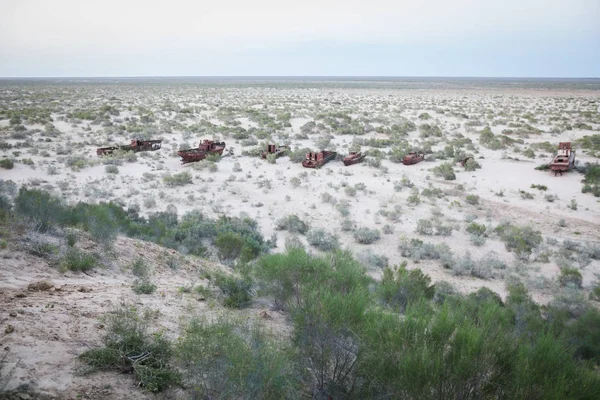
(506,38)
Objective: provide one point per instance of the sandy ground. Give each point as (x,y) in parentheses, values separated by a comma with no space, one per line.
(52,327)
(51,324)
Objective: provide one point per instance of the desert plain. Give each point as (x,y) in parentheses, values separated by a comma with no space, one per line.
(437,215)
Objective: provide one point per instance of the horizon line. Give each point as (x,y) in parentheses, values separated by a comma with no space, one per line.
(294,76)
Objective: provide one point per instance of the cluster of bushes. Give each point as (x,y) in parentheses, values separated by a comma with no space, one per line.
(351,343)
(591,181)
(234,237)
(522,241)
(292,223)
(428,227)
(347,339)
(445,170)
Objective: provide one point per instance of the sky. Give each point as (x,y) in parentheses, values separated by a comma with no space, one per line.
(503,38)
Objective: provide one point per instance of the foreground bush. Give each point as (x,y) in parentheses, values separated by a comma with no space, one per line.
(129,347)
(226,359)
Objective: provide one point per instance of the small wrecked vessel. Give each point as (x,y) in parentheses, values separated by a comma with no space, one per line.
(205,148)
(564,159)
(278,151)
(353,158)
(412,158)
(135,146)
(317,160)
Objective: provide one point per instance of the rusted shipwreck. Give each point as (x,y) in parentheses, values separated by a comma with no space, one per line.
(205,148)
(317,160)
(135,146)
(354,158)
(279,151)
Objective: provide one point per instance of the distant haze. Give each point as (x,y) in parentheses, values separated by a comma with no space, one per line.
(526,38)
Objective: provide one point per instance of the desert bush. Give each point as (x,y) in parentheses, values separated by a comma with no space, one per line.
(371,259)
(471,165)
(7,163)
(143,286)
(228,359)
(570,276)
(230,245)
(45,211)
(573,205)
(387,229)
(111,169)
(464,265)
(424,227)
(476,229)
(322,240)
(180,179)
(520,240)
(442,291)
(400,287)
(347,225)
(129,346)
(432,193)
(149,202)
(472,199)
(237,290)
(445,171)
(299,155)
(292,223)
(328,198)
(591,180)
(413,199)
(366,235)
(140,269)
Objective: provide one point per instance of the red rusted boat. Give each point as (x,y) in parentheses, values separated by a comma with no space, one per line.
(278,151)
(135,146)
(205,148)
(353,158)
(413,158)
(564,159)
(317,160)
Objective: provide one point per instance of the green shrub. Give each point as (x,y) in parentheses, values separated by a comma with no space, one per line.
(111,169)
(139,268)
(322,240)
(292,223)
(40,207)
(570,276)
(299,155)
(7,163)
(143,286)
(128,346)
(591,181)
(472,199)
(539,187)
(237,290)
(400,287)
(230,245)
(424,227)
(521,240)
(366,235)
(445,171)
(476,229)
(227,359)
(77,260)
(180,179)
